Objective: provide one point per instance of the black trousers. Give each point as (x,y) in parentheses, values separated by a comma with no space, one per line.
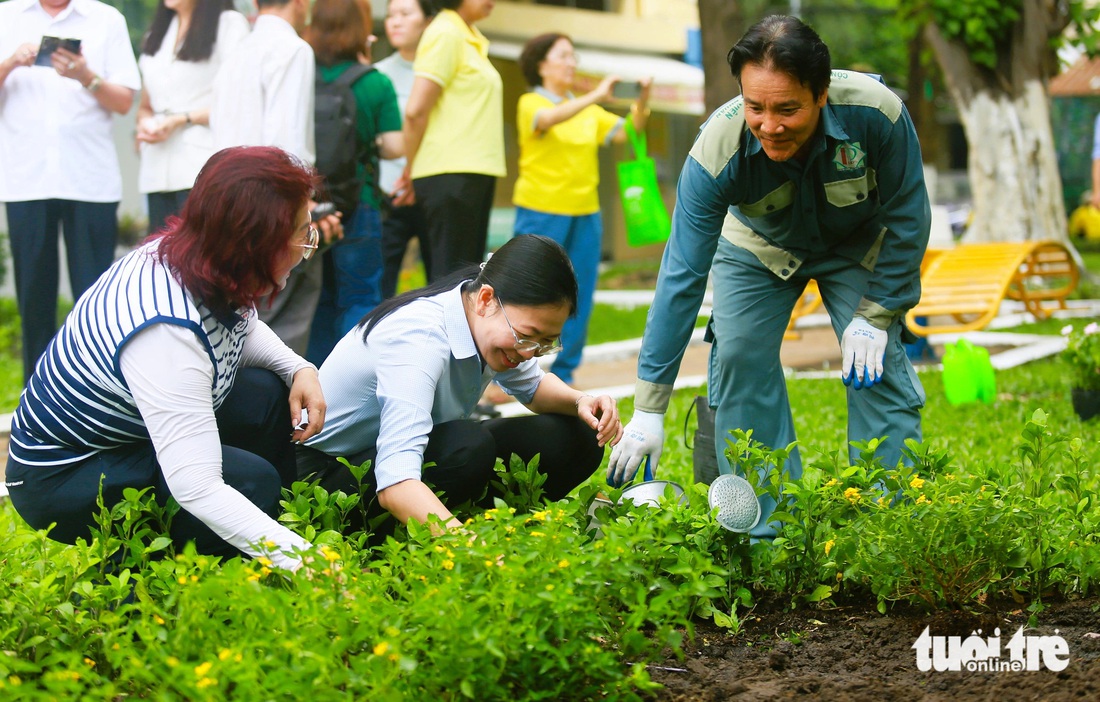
(163,205)
(90,230)
(400,225)
(257,460)
(456,213)
(465,451)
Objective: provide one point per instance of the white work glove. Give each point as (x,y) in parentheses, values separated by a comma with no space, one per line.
(643,436)
(862,348)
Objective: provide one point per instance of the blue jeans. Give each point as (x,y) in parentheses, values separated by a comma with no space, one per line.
(352,282)
(581,236)
(745,378)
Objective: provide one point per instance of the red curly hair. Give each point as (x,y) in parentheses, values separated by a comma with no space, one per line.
(236,225)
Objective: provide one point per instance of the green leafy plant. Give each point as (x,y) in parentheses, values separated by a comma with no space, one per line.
(1082,353)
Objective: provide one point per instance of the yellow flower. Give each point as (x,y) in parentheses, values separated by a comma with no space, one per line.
(15,680)
(829,546)
(381,647)
(202,669)
(922,500)
(549,587)
(541,515)
(489,564)
(89,662)
(329,554)
(264,561)
(950,476)
(269,544)
(953,500)
(224,654)
(393,658)
(172,661)
(832,482)
(537,533)
(253,577)
(206,682)
(448,564)
(853,495)
(158,619)
(490,515)
(182,580)
(563,563)
(916,483)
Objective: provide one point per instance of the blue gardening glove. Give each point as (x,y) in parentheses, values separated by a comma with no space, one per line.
(643,436)
(862,348)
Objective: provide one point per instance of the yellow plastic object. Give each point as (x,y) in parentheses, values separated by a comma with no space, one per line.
(962,288)
(1085,221)
(968,374)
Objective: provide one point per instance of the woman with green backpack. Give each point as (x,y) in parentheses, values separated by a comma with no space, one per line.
(347,86)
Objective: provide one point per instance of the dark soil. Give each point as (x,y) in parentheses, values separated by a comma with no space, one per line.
(856,654)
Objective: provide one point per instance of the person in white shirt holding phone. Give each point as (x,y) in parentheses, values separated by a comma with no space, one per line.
(58,163)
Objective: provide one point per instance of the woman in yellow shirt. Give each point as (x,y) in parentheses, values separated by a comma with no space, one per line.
(556,193)
(454,136)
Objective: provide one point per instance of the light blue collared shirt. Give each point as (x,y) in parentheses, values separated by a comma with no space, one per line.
(419,367)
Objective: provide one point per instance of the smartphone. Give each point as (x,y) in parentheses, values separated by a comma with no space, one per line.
(626,89)
(51,44)
(322,210)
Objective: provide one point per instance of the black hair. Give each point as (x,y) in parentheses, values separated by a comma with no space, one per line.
(261,4)
(787,44)
(198,43)
(449,4)
(534,52)
(430,8)
(528,271)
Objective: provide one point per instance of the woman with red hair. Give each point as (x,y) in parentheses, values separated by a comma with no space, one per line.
(163,377)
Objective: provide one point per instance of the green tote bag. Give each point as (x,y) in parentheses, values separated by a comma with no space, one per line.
(644,211)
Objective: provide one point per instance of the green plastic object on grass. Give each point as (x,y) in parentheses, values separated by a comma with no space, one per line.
(968,373)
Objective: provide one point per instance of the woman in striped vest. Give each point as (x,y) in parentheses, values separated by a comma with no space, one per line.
(163,376)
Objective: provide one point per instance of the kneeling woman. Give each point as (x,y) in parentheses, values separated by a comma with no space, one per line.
(401,386)
(163,376)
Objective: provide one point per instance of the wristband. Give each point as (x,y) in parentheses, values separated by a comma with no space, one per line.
(577,403)
(94,84)
(187,118)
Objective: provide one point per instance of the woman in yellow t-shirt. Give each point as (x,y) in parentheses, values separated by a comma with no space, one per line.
(454,136)
(555,195)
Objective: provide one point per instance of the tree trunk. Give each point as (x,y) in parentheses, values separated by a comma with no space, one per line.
(721,25)
(1013,168)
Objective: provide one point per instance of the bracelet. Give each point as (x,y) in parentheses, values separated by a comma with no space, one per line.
(634,110)
(187,117)
(94,84)
(577,403)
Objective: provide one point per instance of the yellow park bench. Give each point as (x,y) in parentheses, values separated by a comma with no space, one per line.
(962,288)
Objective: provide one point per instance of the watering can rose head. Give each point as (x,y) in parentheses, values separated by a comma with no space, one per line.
(1082,353)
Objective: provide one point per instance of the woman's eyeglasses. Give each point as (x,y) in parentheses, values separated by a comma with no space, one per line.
(313,240)
(526,345)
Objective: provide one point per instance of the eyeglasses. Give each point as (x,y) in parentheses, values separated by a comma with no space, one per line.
(313,240)
(525,345)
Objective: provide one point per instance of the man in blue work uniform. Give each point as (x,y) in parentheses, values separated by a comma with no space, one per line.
(809,174)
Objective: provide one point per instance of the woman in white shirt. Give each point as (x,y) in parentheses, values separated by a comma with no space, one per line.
(163,377)
(405,22)
(402,386)
(186,44)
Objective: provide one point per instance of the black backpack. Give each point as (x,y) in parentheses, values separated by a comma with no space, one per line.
(337,140)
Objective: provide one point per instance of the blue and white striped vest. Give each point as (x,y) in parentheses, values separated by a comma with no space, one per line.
(77,402)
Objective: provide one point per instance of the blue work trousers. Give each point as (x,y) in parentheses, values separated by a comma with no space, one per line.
(582,237)
(746,383)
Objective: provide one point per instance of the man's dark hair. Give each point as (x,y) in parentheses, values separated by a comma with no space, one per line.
(785,44)
(261,4)
(449,4)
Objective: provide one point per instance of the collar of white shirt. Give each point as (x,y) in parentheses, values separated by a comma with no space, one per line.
(458,328)
(80,6)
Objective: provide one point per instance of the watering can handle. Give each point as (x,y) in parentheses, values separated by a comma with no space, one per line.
(648,474)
